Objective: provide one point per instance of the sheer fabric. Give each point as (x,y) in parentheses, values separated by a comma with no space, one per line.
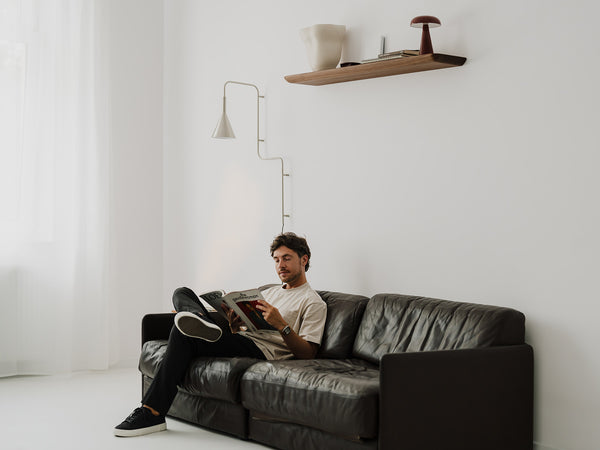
(54,187)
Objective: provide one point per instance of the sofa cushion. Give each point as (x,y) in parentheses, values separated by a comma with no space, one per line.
(395,323)
(344,314)
(337,396)
(211,377)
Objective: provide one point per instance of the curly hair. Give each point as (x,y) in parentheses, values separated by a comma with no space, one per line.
(293,242)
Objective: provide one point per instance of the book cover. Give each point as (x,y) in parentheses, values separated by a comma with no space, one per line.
(244,304)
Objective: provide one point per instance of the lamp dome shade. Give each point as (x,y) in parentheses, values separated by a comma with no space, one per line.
(431,21)
(224,129)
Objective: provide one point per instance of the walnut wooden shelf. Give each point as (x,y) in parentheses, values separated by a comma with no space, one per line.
(398,66)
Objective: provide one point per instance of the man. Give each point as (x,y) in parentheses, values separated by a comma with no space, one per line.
(294,309)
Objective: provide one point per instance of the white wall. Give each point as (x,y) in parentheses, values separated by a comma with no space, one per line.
(136,72)
(475,183)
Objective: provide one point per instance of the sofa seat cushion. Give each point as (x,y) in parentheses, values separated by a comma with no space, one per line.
(337,396)
(211,377)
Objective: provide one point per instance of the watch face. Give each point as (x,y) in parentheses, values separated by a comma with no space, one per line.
(287,330)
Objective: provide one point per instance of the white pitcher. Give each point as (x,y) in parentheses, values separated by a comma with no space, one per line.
(323,45)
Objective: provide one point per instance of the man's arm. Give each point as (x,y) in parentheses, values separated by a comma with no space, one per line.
(301,348)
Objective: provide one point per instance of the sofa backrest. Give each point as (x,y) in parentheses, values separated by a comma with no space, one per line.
(344,315)
(395,323)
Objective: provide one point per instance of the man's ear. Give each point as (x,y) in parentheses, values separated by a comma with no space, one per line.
(304,261)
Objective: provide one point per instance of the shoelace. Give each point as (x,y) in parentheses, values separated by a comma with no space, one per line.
(137,412)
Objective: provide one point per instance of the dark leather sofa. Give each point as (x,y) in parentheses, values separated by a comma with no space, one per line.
(393,372)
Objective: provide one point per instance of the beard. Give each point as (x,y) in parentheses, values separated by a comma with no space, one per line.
(289,277)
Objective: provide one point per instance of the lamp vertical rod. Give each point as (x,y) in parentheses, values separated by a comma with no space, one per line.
(259,140)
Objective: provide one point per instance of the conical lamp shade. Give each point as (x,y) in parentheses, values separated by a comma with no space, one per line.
(223,129)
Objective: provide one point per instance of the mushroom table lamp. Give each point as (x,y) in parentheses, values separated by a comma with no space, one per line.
(425,22)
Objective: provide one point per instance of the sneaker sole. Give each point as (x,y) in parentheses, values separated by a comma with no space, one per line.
(140,431)
(190,325)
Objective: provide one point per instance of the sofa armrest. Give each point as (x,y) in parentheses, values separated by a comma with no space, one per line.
(468,399)
(156,326)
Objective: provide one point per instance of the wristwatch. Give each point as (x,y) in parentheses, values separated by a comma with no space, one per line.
(286,330)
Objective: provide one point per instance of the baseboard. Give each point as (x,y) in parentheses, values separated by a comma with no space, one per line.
(538,446)
(131,363)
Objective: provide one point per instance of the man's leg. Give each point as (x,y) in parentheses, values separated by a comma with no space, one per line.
(162,391)
(184,299)
(181,350)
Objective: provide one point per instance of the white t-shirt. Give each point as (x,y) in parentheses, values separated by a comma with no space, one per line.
(303,310)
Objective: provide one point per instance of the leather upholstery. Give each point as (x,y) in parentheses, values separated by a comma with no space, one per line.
(344,313)
(217,378)
(334,401)
(395,323)
(291,436)
(219,415)
(473,399)
(338,396)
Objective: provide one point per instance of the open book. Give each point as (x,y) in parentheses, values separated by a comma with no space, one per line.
(244,304)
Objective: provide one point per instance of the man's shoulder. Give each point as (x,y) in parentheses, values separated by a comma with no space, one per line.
(313,296)
(307,290)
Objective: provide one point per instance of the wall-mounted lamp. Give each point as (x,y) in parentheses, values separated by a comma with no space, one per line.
(225,131)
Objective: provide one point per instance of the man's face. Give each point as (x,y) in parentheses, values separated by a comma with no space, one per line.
(289,266)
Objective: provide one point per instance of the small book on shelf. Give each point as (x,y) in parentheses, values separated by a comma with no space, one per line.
(400,53)
(244,305)
(392,55)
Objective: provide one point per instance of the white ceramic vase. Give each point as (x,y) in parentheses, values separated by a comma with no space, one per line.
(323,45)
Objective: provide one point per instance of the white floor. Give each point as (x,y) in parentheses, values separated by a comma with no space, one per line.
(79,411)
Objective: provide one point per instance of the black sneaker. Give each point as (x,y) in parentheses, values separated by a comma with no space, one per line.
(141,421)
(184,299)
(193,325)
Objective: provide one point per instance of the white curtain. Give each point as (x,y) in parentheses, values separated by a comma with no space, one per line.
(54,187)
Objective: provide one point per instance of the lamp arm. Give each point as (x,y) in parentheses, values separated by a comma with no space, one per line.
(259,140)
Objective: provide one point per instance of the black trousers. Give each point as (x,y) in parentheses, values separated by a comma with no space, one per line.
(181,350)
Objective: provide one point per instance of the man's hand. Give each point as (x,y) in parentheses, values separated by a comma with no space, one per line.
(271,315)
(301,348)
(235,323)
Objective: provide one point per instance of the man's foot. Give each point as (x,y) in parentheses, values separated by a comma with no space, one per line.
(140,421)
(193,325)
(184,299)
